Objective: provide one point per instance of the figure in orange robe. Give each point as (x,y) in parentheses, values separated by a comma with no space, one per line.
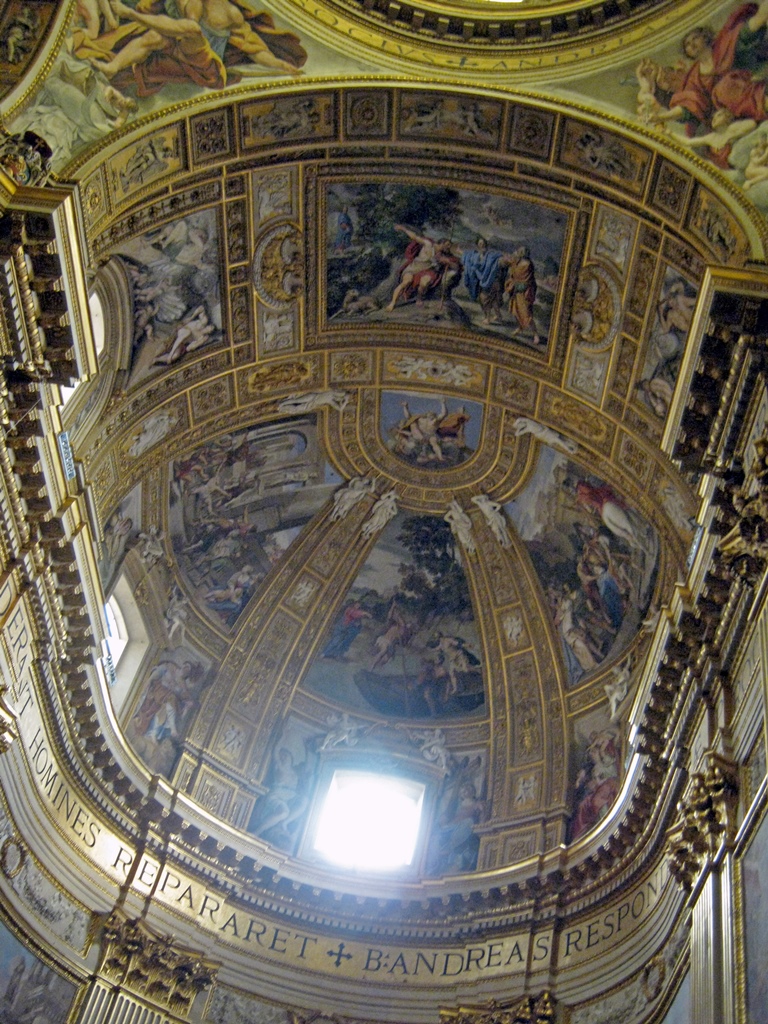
(520,288)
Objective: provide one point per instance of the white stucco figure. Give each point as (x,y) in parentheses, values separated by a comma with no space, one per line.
(524,425)
(494,516)
(461,526)
(381,513)
(345,499)
(312,400)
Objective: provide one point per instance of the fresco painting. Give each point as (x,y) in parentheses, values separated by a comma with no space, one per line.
(754,882)
(595,556)
(432,431)
(122,61)
(462,804)
(236,505)
(707,90)
(30,990)
(596,755)
(431,255)
(174,279)
(279,815)
(404,643)
(167,703)
(121,532)
(671,323)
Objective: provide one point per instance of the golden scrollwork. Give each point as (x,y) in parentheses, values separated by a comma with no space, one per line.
(151,965)
(707,817)
(530,1010)
(745,546)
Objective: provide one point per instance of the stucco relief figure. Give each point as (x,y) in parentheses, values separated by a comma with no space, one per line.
(342,732)
(347,497)
(151,546)
(176,616)
(617,688)
(461,526)
(432,745)
(523,425)
(494,517)
(154,429)
(381,513)
(313,400)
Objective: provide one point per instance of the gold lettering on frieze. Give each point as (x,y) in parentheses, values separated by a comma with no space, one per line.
(610,927)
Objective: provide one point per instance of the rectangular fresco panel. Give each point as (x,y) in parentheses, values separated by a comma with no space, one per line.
(173,272)
(443,257)
(29,989)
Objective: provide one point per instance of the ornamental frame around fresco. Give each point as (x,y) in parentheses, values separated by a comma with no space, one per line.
(517,297)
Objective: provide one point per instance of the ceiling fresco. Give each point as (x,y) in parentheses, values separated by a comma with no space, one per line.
(418,320)
(379,459)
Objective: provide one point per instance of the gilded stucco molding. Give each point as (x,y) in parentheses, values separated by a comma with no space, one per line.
(540,1009)
(707,821)
(136,958)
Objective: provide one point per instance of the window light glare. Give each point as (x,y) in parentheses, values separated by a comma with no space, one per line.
(369,821)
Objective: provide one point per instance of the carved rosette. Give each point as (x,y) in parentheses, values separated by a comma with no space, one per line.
(150,965)
(707,813)
(530,1010)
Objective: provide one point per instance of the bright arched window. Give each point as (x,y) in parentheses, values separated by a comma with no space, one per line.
(117,634)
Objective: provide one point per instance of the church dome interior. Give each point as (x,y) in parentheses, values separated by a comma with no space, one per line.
(384,434)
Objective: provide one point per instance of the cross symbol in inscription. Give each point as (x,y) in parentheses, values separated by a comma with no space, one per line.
(339,954)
